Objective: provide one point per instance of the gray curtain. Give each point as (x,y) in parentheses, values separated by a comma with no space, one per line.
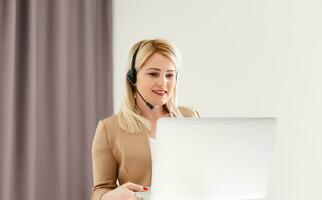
(55,83)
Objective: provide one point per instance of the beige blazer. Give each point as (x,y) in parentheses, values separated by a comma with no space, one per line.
(120,156)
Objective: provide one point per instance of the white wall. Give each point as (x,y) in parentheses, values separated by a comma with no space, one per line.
(243,58)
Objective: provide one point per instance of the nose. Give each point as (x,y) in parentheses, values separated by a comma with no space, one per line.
(162,81)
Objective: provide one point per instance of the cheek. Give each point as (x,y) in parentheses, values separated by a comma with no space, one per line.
(144,83)
(171,87)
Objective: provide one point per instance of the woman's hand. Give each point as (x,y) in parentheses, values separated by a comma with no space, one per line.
(124,192)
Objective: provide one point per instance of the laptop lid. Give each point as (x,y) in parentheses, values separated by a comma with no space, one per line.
(212,158)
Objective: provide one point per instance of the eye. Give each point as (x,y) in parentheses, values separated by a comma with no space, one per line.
(170,75)
(154,74)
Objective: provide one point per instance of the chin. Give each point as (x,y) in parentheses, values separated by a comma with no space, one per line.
(159,102)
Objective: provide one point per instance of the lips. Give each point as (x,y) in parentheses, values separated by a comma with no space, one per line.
(160,92)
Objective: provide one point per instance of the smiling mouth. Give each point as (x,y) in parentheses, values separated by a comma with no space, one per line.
(159,92)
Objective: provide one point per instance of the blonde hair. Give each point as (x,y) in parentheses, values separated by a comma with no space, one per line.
(129,118)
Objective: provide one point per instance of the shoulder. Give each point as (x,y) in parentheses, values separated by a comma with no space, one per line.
(110,121)
(110,125)
(188,111)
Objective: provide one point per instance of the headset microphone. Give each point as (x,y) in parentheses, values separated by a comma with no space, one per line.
(147,103)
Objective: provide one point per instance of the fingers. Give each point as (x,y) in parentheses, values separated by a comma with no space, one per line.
(135,187)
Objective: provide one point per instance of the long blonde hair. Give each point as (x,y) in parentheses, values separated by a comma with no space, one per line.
(129,118)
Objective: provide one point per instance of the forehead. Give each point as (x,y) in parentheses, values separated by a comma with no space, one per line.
(158,61)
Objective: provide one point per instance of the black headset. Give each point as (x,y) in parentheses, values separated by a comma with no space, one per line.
(131,74)
(131,77)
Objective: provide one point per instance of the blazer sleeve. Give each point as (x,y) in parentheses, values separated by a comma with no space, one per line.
(104,164)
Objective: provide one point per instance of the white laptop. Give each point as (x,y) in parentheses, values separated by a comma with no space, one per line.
(212,159)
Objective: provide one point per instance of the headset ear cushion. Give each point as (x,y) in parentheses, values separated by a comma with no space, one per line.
(131,76)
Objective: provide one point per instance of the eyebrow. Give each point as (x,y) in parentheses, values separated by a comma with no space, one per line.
(157,69)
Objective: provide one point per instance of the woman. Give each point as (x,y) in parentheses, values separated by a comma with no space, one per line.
(121,146)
